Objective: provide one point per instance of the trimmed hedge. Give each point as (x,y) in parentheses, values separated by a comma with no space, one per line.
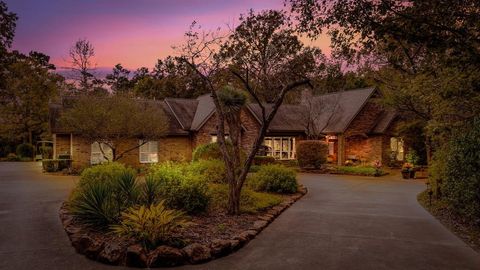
(263,160)
(311,154)
(25,150)
(55,165)
(274,178)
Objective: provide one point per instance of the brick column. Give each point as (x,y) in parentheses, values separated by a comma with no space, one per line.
(341,149)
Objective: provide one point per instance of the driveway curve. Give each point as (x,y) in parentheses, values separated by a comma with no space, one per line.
(344,222)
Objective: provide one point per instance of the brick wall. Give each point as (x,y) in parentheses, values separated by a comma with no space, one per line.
(204,135)
(369,149)
(365,120)
(169,148)
(62,144)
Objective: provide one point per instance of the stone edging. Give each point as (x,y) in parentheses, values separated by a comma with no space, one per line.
(134,255)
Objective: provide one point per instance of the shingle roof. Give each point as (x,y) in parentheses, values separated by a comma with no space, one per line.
(289,118)
(183,110)
(383,122)
(337,110)
(205,109)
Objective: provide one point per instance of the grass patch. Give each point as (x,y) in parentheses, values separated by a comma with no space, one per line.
(440,209)
(359,170)
(250,201)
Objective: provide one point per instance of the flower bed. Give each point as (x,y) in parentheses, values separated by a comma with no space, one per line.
(117,239)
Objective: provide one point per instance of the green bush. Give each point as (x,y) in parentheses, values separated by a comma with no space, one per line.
(25,150)
(103,192)
(274,178)
(461,186)
(250,201)
(180,188)
(263,160)
(55,165)
(212,171)
(311,154)
(211,151)
(151,225)
(102,172)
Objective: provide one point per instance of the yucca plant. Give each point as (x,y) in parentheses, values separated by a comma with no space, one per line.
(151,225)
(150,190)
(94,205)
(126,187)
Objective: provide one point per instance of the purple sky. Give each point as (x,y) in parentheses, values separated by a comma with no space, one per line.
(132,32)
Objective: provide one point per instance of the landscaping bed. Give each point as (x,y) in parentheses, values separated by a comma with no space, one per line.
(348,170)
(174,215)
(469,233)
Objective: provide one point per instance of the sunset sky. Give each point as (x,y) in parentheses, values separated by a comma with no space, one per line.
(132,32)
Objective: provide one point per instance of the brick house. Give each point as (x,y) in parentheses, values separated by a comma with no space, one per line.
(354,125)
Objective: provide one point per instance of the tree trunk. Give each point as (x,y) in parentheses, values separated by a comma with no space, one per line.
(234,199)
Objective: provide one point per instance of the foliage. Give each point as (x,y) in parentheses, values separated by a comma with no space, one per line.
(250,201)
(102,193)
(210,170)
(263,160)
(180,188)
(151,225)
(209,151)
(12,157)
(311,153)
(231,98)
(360,170)
(461,186)
(111,119)
(55,165)
(412,157)
(118,80)
(274,178)
(25,150)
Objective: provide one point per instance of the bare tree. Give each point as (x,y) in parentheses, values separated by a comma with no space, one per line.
(269,61)
(81,56)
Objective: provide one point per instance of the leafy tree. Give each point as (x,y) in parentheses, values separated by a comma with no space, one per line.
(29,87)
(119,80)
(113,118)
(268,60)
(8,22)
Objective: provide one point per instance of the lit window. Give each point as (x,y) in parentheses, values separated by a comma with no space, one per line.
(96,155)
(280,147)
(331,148)
(149,152)
(396,146)
(214,138)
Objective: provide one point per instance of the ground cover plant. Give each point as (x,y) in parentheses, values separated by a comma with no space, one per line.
(359,170)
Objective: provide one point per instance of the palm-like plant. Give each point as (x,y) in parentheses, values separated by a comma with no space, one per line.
(150,225)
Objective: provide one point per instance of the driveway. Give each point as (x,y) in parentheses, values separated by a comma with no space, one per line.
(342,223)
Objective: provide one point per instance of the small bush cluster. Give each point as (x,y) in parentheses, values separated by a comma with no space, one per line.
(55,165)
(250,201)
(263,160)
(274,178)
(311,154)
(180,188)
(206,152)
(151,225)
(25,150)
(12,157)
(212,170)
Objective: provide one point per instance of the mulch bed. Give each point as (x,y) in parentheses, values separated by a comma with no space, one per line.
(211,236)
(469,233)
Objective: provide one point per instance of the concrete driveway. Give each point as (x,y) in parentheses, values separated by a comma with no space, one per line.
(342,223)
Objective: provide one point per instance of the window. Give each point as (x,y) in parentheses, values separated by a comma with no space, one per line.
(280,147)
(96,155)
(214,138)
(396,145)
(149,152)
(331,148)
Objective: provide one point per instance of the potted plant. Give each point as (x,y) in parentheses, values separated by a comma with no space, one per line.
(377,165)
(406,170)
(412,158)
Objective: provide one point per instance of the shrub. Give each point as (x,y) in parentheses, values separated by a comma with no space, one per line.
(211,151)
(274,178)
(180,188)
(311,153)
(55,165)
(212,171)
(461,186)
(102,172)
(102,193)
(151,225)
(25,150)
(12,157)
(250,201)
(94,204)
(263,160)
